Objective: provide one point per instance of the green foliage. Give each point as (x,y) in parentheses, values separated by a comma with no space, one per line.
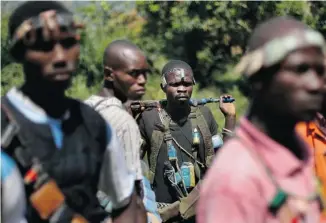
(11,75)
(210,35)
(80,90)
(5,59)
(103,25)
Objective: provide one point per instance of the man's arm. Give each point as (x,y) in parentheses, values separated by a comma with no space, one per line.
(117,182)
(212,124)
(132,144)
(213,128)
(130,138)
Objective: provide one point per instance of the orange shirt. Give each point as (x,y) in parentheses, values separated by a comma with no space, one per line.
(316,137)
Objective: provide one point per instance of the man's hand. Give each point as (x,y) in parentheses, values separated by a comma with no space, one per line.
(132,213)
(228,109)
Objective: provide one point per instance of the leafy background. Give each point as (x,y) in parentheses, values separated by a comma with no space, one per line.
(209,35)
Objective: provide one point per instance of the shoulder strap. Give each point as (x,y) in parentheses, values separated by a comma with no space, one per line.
(198,120)
(11,129)
(158,136)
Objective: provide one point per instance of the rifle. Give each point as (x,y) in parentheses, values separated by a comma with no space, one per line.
(139,106)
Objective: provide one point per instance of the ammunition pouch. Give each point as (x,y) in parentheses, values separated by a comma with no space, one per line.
(188,204)
(185,208)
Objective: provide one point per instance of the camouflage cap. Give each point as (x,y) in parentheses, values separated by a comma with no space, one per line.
(277,49)
(49,22)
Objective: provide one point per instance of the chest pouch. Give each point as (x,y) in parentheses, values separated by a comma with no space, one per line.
(195,137)
(188,174)
(172,152)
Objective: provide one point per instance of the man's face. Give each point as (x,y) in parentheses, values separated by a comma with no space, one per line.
(296,89)
(179,86)
(130,80)
(53,61)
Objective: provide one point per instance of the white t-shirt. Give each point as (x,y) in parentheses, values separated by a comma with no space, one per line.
(125,126)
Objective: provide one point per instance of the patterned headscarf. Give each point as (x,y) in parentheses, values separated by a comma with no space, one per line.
(277,49)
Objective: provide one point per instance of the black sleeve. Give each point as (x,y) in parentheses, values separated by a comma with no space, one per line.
(213,127)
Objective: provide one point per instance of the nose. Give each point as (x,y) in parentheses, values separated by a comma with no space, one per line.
(314,82)
(141,79)
(181,89)
(59,54)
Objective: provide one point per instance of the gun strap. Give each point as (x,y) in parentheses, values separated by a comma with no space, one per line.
(168,139)
(158,136)
(192,156)
(11,130)
(198,120)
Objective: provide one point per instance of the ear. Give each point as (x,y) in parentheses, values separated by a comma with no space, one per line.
(163,88)
(193,80)
(108,71)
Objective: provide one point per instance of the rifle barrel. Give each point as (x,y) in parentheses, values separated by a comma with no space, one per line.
(192,101)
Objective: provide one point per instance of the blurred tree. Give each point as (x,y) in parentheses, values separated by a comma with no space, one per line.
(212,35)
(11,73)
(104,25)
